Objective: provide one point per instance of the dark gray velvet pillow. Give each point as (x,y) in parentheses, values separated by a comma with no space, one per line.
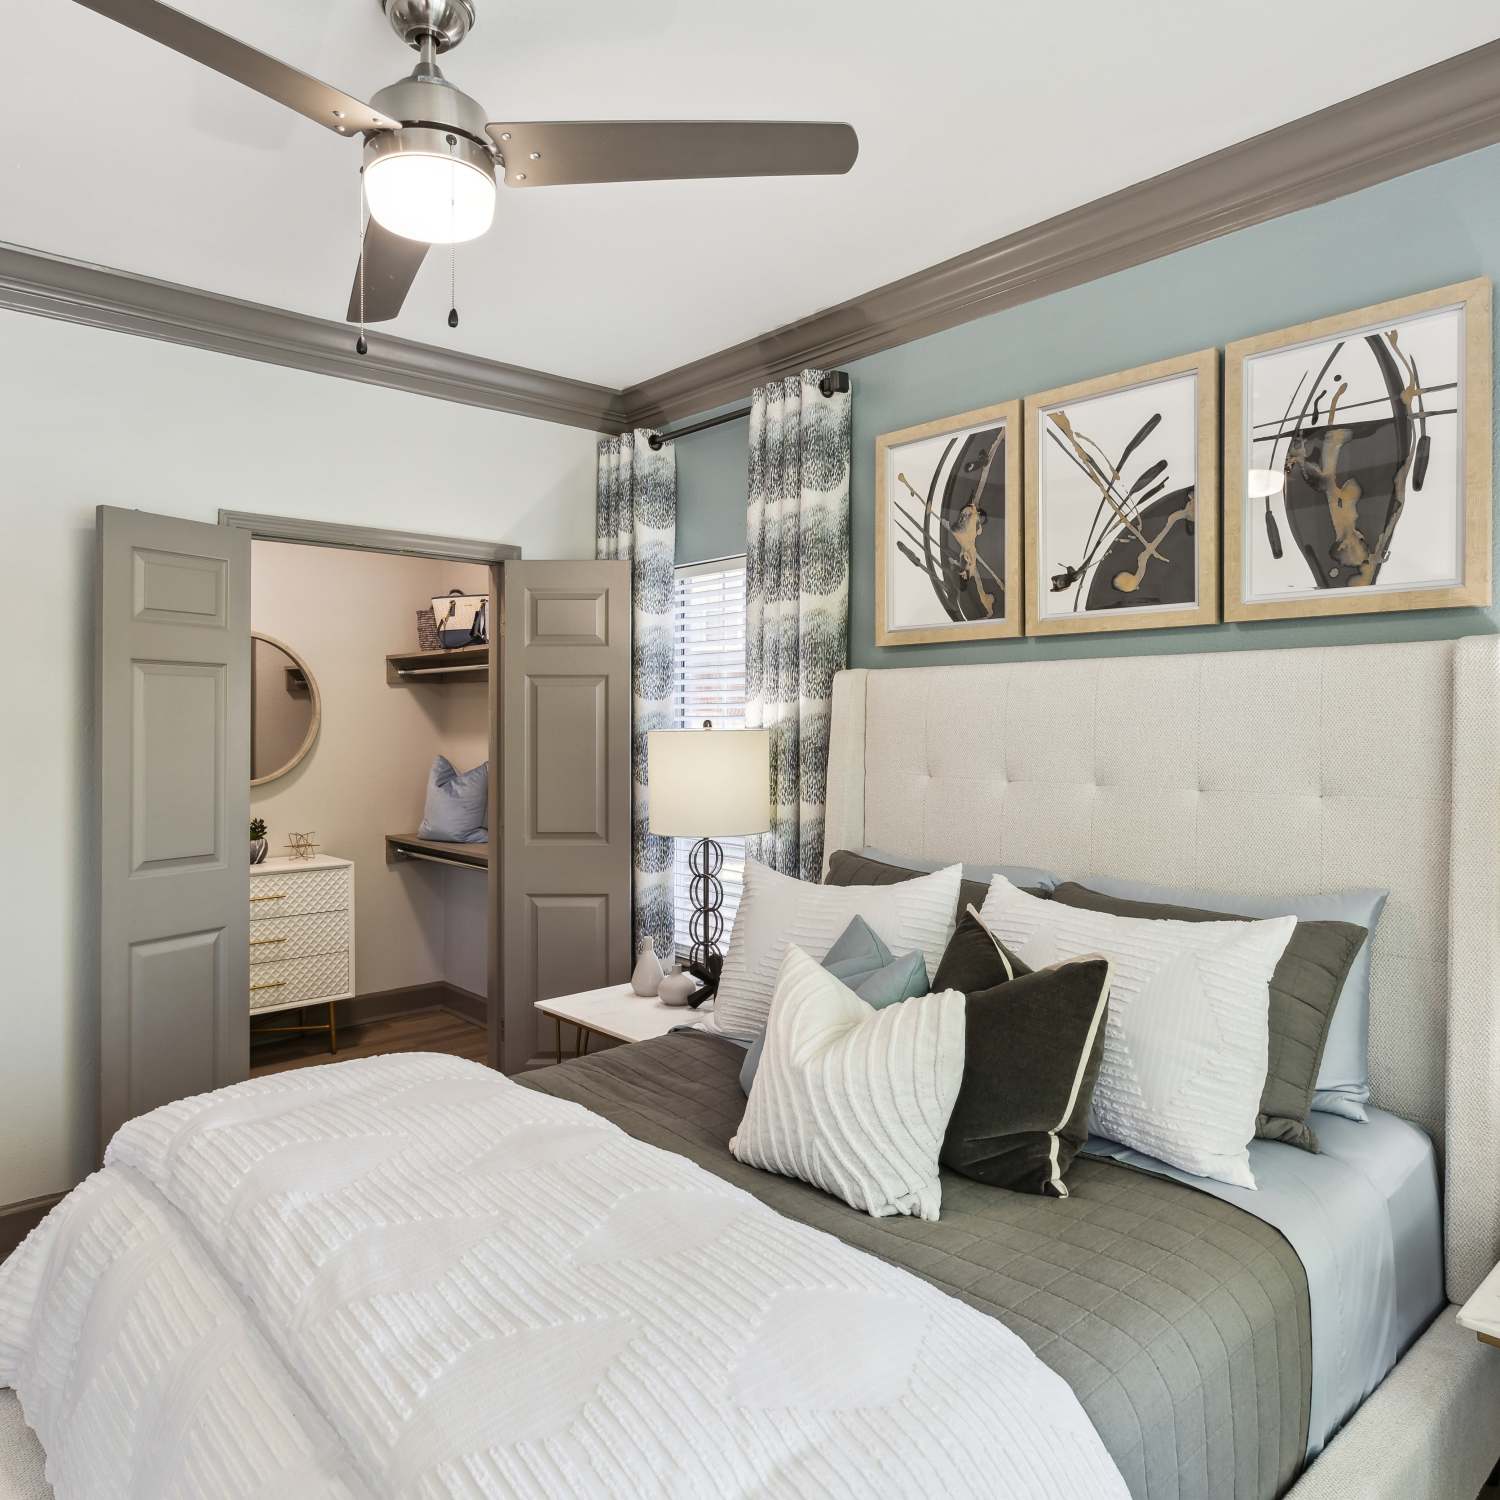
(975,959)
(1031,1059)
(1305,989)
(845,867)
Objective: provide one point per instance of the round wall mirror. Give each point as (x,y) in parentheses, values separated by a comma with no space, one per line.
(285,710)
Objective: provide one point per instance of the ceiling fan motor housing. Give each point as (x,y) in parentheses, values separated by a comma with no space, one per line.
(446,22)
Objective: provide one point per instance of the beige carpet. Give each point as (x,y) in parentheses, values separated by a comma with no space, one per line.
(20,1455)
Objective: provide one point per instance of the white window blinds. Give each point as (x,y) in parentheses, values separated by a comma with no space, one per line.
(708,682)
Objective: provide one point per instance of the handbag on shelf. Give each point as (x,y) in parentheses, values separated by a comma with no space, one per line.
(461,619)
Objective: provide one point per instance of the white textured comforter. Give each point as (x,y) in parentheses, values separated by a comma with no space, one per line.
(408,1276)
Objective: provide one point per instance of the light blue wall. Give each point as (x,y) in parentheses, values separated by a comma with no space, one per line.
(1435,226)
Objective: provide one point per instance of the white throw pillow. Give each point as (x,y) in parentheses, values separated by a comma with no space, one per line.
(852,1099)
(776,911)
(1187,1037)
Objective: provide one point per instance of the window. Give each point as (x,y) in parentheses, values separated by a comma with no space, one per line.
(708,682)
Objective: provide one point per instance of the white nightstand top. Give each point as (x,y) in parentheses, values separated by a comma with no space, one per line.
(619,1012)
(1481,1313)
(280,865)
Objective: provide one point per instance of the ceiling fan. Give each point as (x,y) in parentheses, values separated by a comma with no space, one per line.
(430,156)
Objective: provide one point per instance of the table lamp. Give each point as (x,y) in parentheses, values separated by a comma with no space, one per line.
(707,784)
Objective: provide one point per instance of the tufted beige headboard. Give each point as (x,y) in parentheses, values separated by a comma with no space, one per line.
(1256,771)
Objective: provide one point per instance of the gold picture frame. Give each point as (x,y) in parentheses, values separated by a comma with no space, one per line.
(1418,372)
(962,564)
(1134,480)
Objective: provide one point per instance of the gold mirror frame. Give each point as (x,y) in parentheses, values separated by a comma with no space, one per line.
(314,725)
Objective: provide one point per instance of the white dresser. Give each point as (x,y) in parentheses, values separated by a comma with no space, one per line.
(301,937)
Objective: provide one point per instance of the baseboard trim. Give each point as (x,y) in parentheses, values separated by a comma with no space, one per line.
(465,1004)
(17,1220)
(405,1000)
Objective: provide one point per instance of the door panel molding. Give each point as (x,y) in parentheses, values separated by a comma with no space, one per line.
(568,745)
(178,750)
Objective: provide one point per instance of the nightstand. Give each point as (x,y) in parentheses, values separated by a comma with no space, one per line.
(1481,1313)
(616,1011)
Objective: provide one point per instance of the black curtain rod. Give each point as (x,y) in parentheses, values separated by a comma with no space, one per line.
(834,382)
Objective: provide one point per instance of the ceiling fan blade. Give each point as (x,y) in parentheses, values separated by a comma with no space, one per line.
(551,153)
(391,265)
(321,104)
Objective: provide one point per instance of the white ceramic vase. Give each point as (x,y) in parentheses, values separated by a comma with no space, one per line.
(678,987)
(646,980)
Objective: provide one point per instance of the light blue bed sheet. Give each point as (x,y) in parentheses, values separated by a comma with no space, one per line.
(1365,1219)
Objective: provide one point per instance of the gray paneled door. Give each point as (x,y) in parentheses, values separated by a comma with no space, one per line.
(565,813)
(174,752)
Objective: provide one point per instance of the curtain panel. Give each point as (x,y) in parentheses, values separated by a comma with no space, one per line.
(636,520)
(796,603)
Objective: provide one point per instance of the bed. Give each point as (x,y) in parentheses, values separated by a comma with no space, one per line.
(1186,1327)
(1262,772)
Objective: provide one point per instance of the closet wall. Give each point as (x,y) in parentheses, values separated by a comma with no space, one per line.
(342,612)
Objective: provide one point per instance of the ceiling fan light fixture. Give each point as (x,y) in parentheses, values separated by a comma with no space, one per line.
(427,185)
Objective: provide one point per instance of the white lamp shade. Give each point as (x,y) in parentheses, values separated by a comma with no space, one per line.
(1259,483)
(709,783)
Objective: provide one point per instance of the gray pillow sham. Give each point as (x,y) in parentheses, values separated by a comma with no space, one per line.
(1343,1083)
(874,867)
(1305,989)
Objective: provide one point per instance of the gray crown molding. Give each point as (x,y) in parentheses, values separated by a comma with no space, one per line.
(1441,111)
(51,286)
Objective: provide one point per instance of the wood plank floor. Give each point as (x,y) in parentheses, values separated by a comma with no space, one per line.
(422,1031)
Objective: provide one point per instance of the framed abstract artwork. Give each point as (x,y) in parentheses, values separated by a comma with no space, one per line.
(1122,500)
(1357,461)
(948,529)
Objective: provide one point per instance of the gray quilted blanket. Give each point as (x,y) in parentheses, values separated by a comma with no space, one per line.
(1181,1322)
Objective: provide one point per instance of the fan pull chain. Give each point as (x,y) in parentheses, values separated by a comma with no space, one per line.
(452,246)
(361,345)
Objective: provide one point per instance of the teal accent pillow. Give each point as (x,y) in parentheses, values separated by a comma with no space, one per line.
(860,960)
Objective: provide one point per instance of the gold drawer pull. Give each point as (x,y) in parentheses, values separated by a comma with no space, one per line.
(261,942)
(270,984)
(279,896)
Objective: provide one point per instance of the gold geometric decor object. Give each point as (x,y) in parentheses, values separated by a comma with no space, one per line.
(302,845)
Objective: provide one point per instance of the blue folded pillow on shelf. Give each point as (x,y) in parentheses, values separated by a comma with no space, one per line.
(457,804)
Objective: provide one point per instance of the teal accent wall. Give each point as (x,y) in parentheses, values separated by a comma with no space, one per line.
(1433,227)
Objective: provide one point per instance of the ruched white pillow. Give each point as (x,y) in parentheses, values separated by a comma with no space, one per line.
(852,1099)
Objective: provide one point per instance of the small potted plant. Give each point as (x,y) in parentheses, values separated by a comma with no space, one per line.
(258,844)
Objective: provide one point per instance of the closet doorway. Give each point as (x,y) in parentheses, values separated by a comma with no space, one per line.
(539,908)
(370,735)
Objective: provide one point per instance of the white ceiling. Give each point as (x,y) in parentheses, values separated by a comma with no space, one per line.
(975,119)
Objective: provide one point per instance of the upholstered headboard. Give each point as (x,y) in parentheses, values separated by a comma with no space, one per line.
(1256,771)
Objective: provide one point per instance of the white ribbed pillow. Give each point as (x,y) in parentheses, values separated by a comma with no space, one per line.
(1187,1038)
(852,1099)
(776,911)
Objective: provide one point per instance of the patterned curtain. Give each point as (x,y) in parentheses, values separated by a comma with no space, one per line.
(636,519)
(796,603)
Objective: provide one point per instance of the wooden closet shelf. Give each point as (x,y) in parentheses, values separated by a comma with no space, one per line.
(463,664)
(399,846)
